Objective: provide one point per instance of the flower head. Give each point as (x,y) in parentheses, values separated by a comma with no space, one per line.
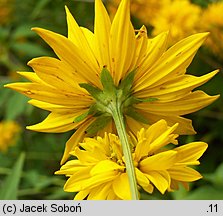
(9,131)
(114,64)
(145,10)
(212,20)
(98,172)
(181,23)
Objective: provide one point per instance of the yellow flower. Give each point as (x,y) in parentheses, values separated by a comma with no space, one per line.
(212,20)
(9,131)
(180,17)
(145,10)
(113,65)
(99,171)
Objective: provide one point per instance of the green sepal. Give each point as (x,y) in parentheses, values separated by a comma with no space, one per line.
(133,100)
(130,111)
(81,117)
(107,82)
(140,100)
(127,82)
(93,109)
(93,91)
(98,124)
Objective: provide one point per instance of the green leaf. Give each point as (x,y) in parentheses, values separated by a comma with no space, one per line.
(4,34)
(216,177)
(98,124)
(127,82)
(4,94)
(59,194)
(38,8)
(30,49)
(205,193)
(107,82)
(135,115)
(44,181)
(10,186)
(23,31)
(15,106)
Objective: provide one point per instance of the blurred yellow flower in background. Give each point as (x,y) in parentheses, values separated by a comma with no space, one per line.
(123,72)
(180,17)
(212,21)
(145,10)
(99,172)
(9,131)
(6,7)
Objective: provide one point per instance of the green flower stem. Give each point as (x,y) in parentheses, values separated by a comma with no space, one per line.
(120,126)
(111,102)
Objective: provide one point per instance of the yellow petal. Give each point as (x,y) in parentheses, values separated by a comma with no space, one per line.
(184,174)
(149,188)
(90,37)
(173,62)
(56,73)
(88,182)
(175,185)
(52,95)
(141,178)
(155,49)
(96,146)
(71,54)
(75,139)
(122,42)
(156,130)
(142,146)
(81,195)
(121,187)
(112,195)
(146,137)
(86,157)
(141,47)
(56,123)
(75,34)
(80,175)
(192,102)
(101,192)
(160,179)
(190,153)
(133,125)
(102,28)
(160,161)
(70,168)
(54,107)
(31,77)
(105,166)
(175,88)
(185,125)
(164,139)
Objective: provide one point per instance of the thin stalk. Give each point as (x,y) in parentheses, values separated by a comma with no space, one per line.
(130,169)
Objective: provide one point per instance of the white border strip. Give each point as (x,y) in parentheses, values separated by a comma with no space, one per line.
(111,208)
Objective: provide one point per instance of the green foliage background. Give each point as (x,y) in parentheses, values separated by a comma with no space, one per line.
(27,169)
